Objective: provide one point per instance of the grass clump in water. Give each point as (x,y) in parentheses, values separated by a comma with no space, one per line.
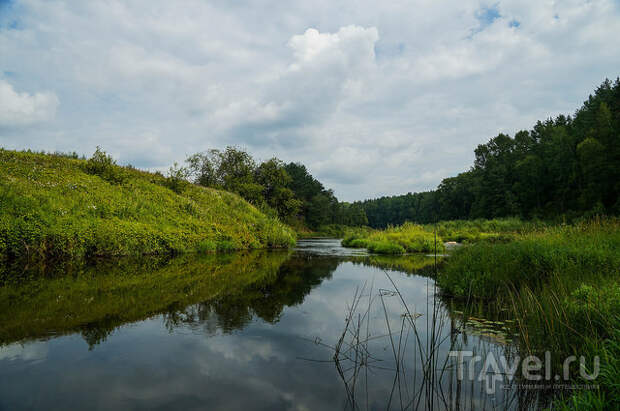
(407,238)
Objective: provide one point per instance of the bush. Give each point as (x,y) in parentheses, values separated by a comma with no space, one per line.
(104,166)
(206,246)
(176,180)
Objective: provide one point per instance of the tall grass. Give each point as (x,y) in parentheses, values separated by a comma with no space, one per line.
(582,252)
(57,206)
(562,284)
(467,231)
(407,238)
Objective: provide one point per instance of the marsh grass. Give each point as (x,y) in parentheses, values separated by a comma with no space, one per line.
(55,206)
(493,230)
(407,238)
(385,336)
(578,253)
(562,284)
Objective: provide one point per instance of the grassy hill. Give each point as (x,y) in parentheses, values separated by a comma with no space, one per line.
(57,206)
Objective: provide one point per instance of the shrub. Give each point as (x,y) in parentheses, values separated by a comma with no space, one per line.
(104,166)
(226,246)
(206,246)
(176,180)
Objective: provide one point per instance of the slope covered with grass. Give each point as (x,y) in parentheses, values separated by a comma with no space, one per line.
(54,206)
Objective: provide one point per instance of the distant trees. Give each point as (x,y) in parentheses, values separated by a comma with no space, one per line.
(567,166)
(231,170)
(271,175)
(287,189)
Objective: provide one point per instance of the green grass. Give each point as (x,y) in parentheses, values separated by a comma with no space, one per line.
(495,230)
(562,284)
(54,206)
(407,238)
(607,397)
(582,252)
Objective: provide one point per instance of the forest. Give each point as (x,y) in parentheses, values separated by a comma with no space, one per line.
(565,167)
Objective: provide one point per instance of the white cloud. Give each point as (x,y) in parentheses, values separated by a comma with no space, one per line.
(23,109)
(374,98)
(352,46)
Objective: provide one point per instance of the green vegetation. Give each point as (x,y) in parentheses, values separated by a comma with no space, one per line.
(561,283)
(58,206)
(467,231)
(336,231)
(286,190)
(584,252)
(608,397)
(408,238)
(562,169)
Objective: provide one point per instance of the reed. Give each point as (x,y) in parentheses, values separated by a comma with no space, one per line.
(562,284)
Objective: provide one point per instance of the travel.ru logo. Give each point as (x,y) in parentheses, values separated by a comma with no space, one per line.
(532,369)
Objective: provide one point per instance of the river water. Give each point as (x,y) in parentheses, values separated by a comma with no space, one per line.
(319,327)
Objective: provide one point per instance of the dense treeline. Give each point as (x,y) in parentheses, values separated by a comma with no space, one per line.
(567,166)
(287,190)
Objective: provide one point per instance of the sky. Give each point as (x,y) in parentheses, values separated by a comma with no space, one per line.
(375,98)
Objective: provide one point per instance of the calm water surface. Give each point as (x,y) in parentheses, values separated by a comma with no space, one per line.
(320,327)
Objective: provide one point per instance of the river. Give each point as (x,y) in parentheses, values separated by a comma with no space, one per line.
(318,327)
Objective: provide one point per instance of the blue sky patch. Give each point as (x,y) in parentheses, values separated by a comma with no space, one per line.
(487,15)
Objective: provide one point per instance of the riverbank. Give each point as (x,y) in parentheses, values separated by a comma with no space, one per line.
(562,284)
(55,206)
(411,238)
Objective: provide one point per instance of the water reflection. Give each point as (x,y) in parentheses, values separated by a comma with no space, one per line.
(97,298)
(249,330)
(264,300)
